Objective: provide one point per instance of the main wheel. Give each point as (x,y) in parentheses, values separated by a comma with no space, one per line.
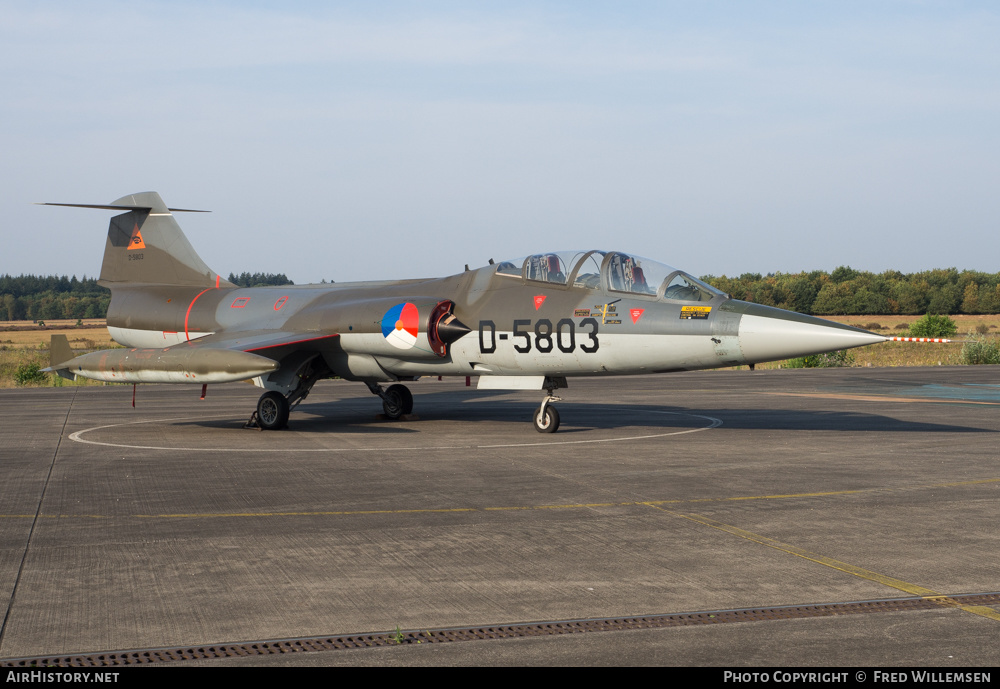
(547,423)
(398,400)
(272,411)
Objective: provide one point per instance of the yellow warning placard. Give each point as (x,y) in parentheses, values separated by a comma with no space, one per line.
(691,312)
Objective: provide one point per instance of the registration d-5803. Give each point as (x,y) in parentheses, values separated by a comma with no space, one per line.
(542,335)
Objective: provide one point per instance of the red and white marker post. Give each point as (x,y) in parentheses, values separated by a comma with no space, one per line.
(918,339)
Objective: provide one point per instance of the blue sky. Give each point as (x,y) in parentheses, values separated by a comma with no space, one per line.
(354,141)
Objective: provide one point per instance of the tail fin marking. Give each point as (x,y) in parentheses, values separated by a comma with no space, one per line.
(145,245)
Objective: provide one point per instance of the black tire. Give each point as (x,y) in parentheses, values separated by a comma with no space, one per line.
(272,411)
(398,401)
(549,424)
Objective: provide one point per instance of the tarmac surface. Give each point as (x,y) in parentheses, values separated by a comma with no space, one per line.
(169,525)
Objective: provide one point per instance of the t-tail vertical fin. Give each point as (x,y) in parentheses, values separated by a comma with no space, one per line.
(145,245)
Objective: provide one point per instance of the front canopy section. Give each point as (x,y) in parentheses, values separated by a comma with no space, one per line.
(683,287)
(610,271)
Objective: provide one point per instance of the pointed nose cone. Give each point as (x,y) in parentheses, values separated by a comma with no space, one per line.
(769,334)
(450,329)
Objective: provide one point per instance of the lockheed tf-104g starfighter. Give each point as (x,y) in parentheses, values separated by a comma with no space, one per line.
(526,324)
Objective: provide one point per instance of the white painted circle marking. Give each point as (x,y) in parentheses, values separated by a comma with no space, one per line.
(78,437)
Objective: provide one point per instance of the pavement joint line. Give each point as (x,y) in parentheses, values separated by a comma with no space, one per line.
(481,632)
(508,508)
(34,523)
(892,582)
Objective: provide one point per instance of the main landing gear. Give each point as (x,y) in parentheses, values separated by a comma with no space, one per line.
(397,400)
(273,406)
(272,411)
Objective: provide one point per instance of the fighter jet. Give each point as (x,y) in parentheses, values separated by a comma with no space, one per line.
(526,324)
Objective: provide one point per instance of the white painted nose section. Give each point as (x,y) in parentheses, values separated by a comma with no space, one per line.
(764,338)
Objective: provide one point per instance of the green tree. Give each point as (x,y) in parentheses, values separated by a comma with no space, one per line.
(834,298)
(933,325)
(970,298)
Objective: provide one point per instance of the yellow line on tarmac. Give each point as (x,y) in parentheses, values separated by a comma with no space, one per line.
(299,514)
(892,582)
(965,483)
(781,496)
(581,505)
(508,508)
(879,398)
(207,515)
(980,610)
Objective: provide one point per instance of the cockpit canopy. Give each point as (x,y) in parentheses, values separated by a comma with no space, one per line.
(612,270)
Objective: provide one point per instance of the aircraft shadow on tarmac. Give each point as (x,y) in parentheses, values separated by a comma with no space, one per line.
(360,416)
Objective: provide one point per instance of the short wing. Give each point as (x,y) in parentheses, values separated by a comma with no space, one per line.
(220,358)
(274,344)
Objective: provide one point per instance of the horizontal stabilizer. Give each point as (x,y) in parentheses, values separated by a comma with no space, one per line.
(270,343)
(119,207)
(145,245)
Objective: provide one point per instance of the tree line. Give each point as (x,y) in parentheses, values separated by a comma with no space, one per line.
(845,291)
(259,279)
(37,297)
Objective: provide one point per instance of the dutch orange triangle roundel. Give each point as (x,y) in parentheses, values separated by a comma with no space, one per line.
(136,241)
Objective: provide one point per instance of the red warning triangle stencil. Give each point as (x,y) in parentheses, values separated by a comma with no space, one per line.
(539,300)
(636,314)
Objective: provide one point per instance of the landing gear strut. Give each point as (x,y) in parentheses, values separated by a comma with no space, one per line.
(397,400)
(546,417)
(273,406)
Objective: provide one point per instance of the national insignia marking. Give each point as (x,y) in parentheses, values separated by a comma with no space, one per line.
(400,325)
(136,241)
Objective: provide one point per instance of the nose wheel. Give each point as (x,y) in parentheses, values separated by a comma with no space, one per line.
(546,418)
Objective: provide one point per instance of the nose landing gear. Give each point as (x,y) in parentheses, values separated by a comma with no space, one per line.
(546,417)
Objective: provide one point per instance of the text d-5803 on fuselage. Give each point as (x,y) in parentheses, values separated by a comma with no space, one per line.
(541,335)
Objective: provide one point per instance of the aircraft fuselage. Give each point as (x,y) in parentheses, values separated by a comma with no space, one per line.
(517,327)
(525,324)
